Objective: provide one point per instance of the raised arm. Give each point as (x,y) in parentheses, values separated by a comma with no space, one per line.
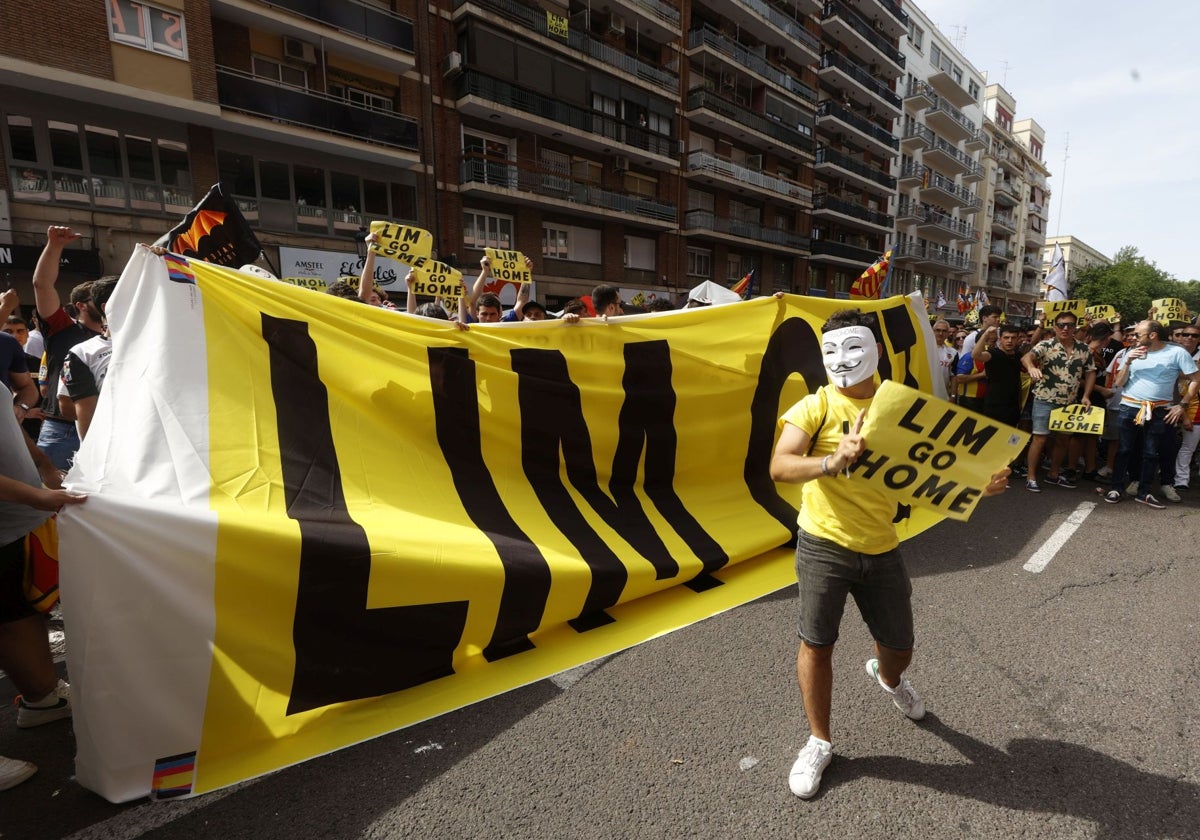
(45,274)
(366,280)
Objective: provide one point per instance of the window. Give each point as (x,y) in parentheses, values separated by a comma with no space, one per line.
(660,124)
(22,144)
(639,252)
(586,171)
(104,151)
(64,146)
(643,185)
(141,157)
(489,158)
(362,98)
(136,24)
(700,200)
(173,160)
(566,242)
(266,68)
(699,263)
(916,35)
(973,89)
(486,230)
(935,56)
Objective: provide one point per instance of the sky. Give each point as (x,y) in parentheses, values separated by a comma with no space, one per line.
(1116,86)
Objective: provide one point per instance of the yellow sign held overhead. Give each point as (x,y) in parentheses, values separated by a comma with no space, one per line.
(1167,310)
(508,266)
(1051,309)
(437,279)
(401,242)
(1103,312)
(1078,419)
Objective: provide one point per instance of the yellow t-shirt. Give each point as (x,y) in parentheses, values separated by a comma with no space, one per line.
(849,513)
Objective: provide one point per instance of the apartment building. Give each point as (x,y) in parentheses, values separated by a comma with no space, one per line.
(1077,256)
(939,170)
(1016,206)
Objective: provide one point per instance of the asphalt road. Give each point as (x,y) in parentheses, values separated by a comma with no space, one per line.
(1063,703)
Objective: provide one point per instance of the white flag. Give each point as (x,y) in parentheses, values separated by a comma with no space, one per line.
(1056,279)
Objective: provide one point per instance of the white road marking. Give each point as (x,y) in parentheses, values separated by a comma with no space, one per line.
(136,822)
(1042,557)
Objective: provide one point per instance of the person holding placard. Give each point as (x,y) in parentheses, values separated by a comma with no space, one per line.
(1148,376)
(1057,366)
(846,542)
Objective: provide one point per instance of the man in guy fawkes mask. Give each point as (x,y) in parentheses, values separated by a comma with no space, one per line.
(847,542)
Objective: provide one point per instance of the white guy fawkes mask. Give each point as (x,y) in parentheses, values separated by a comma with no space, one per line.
(851,355)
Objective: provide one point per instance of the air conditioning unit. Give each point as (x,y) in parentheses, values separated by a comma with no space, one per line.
(452,64)
(754,162)
(616,24)
(620,163)
(298,50)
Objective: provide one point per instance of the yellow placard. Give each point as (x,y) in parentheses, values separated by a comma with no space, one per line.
(508,266)
(1078,419)
(1051,309)
(1102,312)
(401,242)
(438,279)
(930,453)
(558,25)
(1167,310)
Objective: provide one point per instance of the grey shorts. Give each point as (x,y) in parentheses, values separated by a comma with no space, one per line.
(827,573)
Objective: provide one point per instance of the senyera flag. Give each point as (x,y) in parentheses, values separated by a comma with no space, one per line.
(299,536)
(214,231)
(743,286)
(871,283)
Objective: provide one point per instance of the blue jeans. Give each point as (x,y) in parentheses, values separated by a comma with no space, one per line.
(1152,432)
(59,440)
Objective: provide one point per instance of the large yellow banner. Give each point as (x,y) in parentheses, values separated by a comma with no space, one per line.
(389,518)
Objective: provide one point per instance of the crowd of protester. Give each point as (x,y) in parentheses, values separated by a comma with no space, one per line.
(54,365)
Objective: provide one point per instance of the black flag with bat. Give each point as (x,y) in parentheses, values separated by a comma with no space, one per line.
(214,231)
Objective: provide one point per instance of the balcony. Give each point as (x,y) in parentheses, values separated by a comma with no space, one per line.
(908,210)
(913,173)
(654,18)
(826,250)
(702,222)
(945,156)
(1034,237)
(1000,252)
(920,96)
(853,214)
(483,96)
(944,227)
(868,45)
(942,80)
(737,120)
(893,21)
(935,257)
(741,58)
(1031,264)
(938,186)
(534,19)
(358,30)
(997,280)
(836,164)
(948,120)
(833,117)
(238,91)
(1006,194)
(858,84)
(779,29)
(527,182)
(735,176)
(1004,222)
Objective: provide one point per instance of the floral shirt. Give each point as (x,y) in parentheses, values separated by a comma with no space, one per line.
(1063,370)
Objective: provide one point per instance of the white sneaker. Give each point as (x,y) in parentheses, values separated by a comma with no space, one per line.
(55,706)
(805,777)
(1170,494)
(13,772)
(904,696)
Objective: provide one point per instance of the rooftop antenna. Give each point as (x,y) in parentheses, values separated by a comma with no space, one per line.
(1062,186)
(959,37)
(1004,78)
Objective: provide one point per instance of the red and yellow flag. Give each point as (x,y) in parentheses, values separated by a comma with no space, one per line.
(870,283)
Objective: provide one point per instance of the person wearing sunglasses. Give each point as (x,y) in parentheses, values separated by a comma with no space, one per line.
(1057,366)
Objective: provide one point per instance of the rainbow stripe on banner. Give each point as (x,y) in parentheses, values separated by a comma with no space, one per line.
(173,776)
(179,270)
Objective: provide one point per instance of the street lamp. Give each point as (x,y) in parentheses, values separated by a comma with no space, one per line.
(360,242)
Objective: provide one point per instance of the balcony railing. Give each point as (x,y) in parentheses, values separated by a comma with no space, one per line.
(826,155)
(474,83)
(999,249)
(360,19)
(861,76)
(895,11)
(708,162)
(701,98)
(835,9)
(242,92)
(784,22)
(528,177)
(709,37)
(535,19)
(829,108)
(959,228)
(919,89)
(1004,220)
(704,220)
(856,211)
(963,159)
(944,107)
(667,14)
(938,181)
(827,247)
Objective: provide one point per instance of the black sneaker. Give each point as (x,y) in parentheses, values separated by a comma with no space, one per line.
(1060,481)
(1093,476)
(1112,496)
(1150,501)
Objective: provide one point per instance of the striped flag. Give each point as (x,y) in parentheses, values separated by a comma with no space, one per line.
(742,287)
(1056,278)
(871,283)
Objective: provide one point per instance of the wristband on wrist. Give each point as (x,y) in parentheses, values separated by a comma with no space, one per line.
(825,465)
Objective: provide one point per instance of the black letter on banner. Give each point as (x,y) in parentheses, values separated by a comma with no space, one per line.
(343,650)
(647,423)
(526,573)
(794,348)
(897,324)
(551,413)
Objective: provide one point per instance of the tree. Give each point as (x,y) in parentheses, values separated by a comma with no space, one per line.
(1130,284)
